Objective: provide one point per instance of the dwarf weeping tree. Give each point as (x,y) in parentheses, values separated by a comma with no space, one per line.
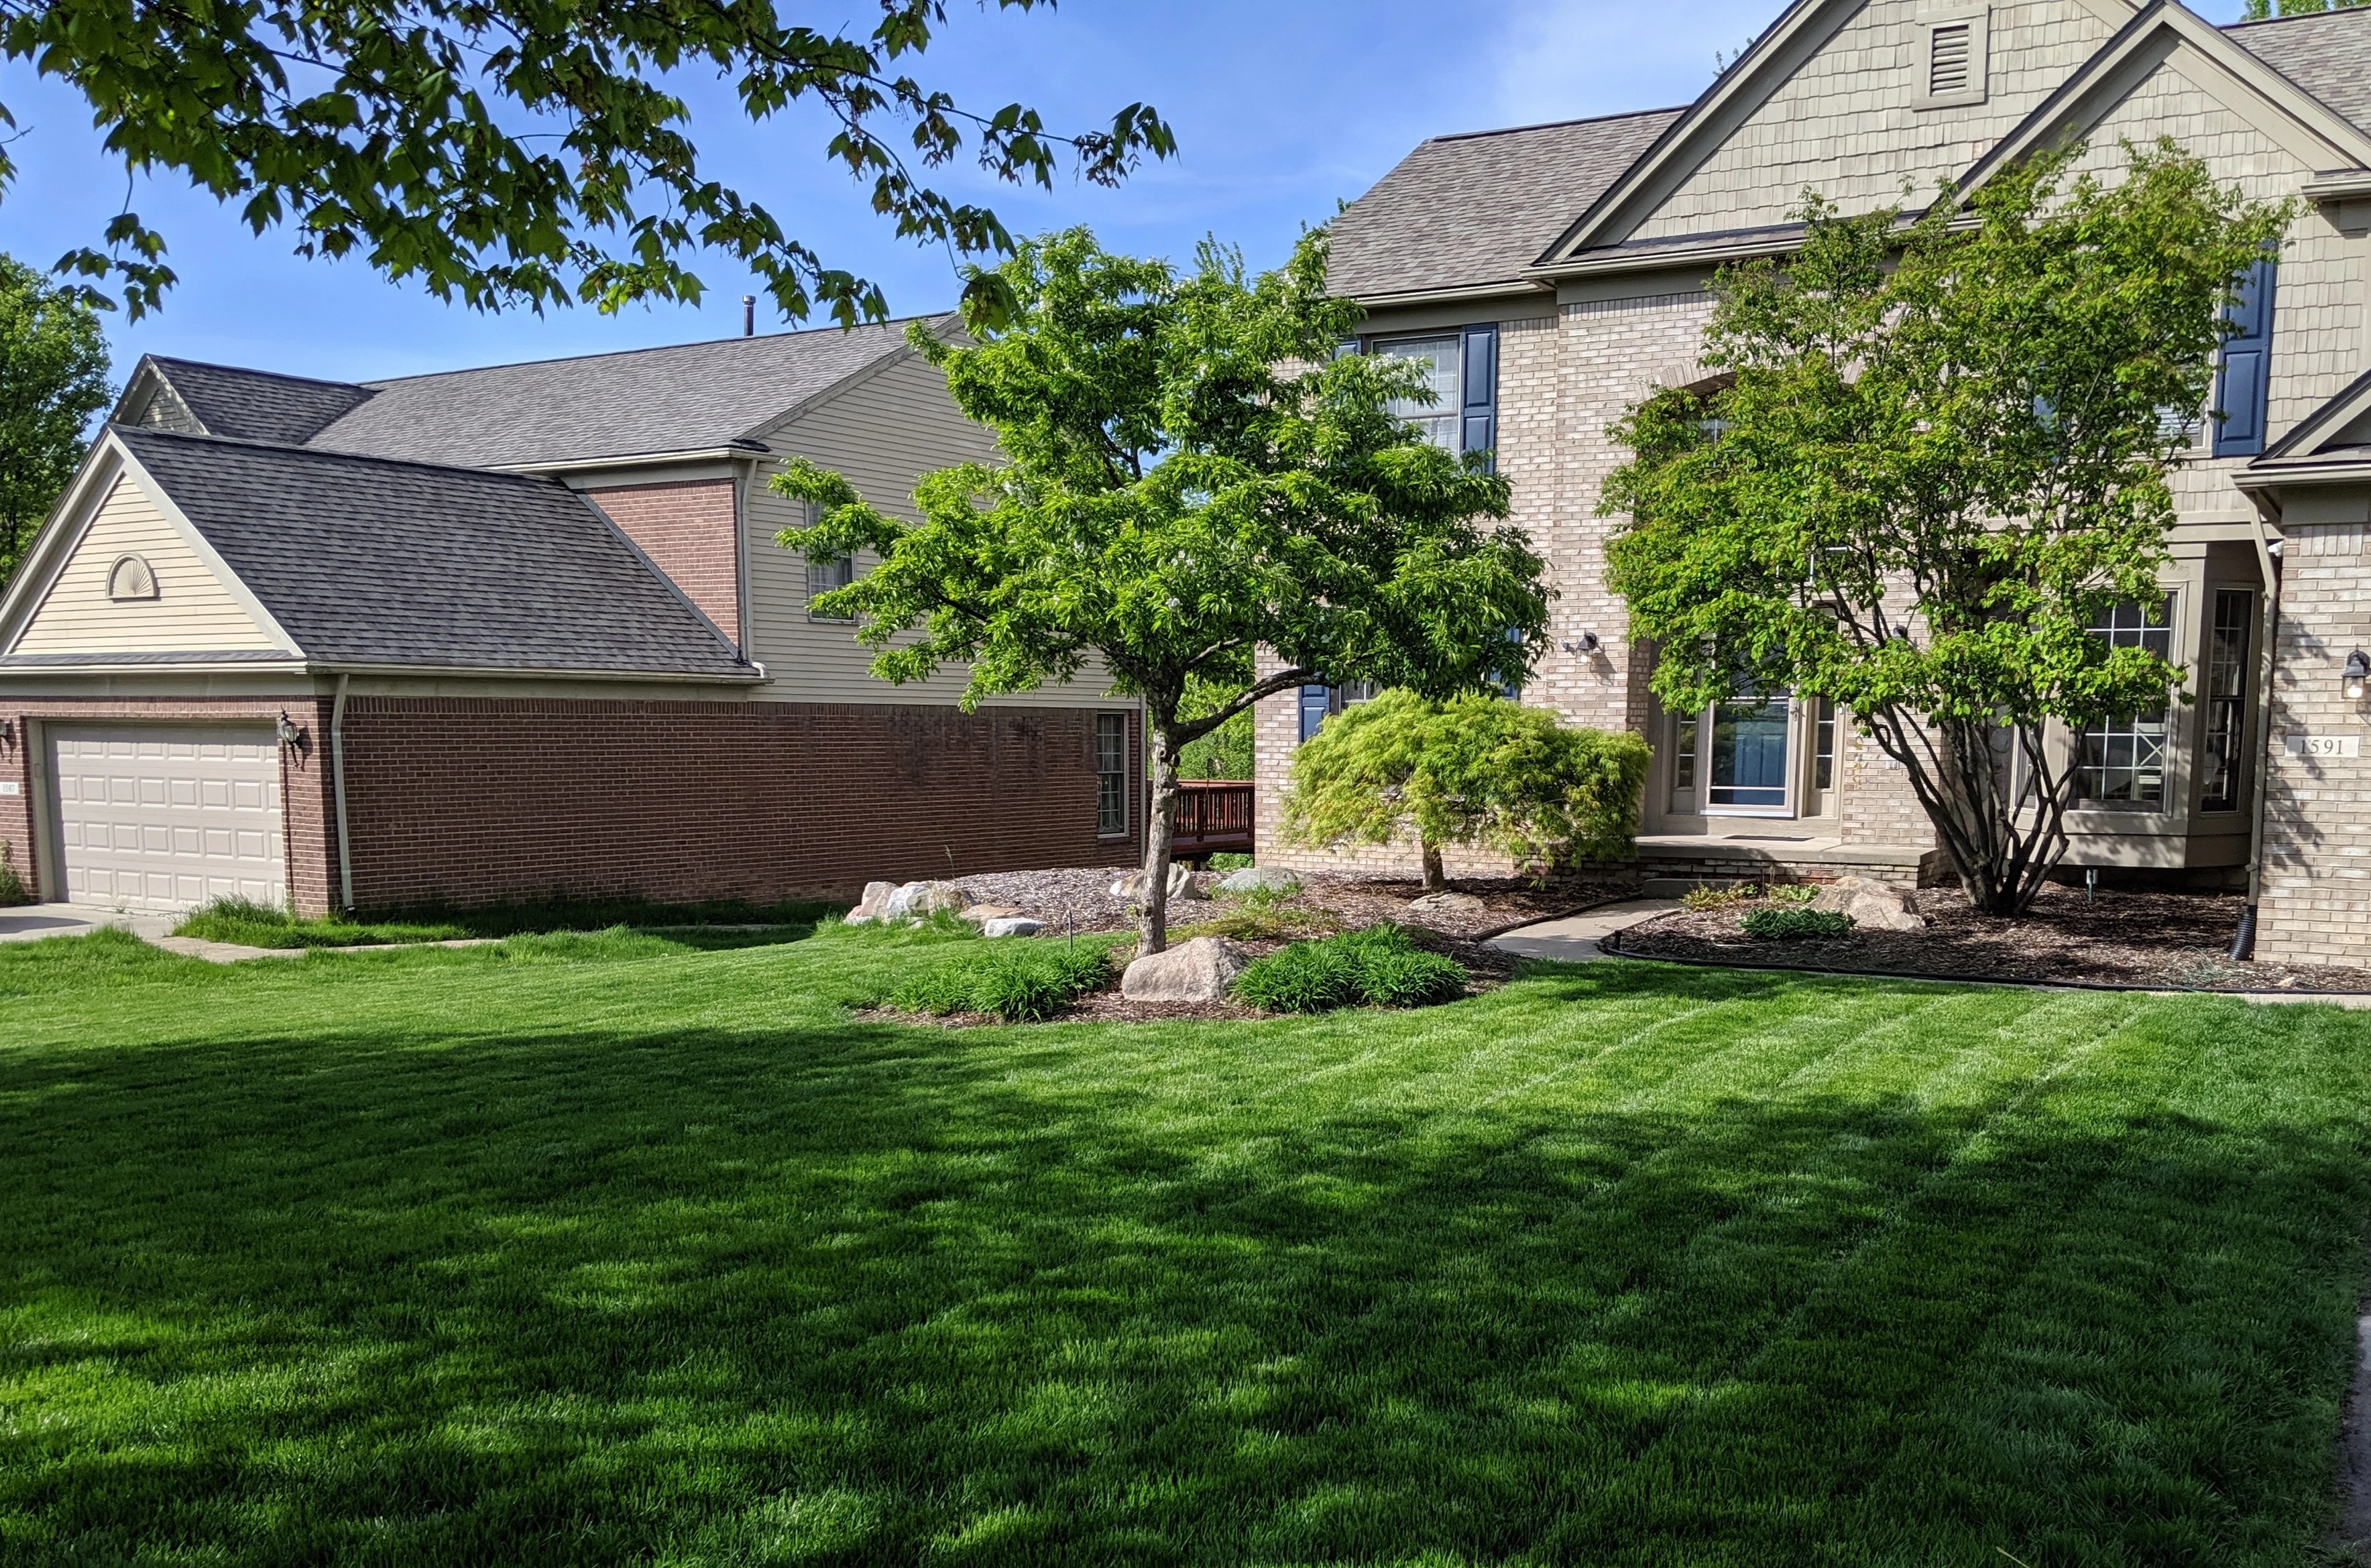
(1476,769)
(1922,465)
(1192,472)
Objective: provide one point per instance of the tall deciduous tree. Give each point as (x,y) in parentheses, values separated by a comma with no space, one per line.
(504,152)
(1476,769)
(52,379)
(1192,472)
(1922,465)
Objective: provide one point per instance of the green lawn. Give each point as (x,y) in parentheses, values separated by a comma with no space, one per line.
(622,1248)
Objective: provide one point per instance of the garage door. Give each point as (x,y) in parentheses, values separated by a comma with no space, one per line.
(153,817)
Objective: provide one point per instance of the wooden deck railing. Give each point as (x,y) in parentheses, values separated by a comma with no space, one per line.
(1213,814)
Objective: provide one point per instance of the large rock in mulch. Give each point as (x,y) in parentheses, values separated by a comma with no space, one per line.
(891,903)
(1259,879)
(1182,884)
(981,913)
(1198,971)
(1011,925)
(1873,906)
(1447,904)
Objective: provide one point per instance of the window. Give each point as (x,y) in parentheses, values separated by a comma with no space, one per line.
(2227,699)
(131,578)
(1823,744)
(1439,356)
(1111,774)
(1952,57)
(1749,752)
(1683,751)
(1320,701)
(823,574)
(2123,759)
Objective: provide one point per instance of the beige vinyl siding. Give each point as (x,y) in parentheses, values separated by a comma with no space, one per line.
(193,612)
(882,436)
(1848,126)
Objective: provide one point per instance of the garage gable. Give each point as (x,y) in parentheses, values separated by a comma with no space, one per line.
(135,581)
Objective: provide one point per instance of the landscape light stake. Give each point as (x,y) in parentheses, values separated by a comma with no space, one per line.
(2090,884)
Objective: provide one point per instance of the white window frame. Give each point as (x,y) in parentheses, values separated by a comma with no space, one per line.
(1126,814)
(1451,410)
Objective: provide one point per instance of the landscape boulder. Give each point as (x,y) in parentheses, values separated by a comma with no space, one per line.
(1182,884)
(920,900)
(981,913)
(1198,971)
(1874,905)
(1011,925)
(868,909)
(1260,879)
(1447,904)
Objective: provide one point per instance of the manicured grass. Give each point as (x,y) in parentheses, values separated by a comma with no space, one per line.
(595,1249)
(249,924)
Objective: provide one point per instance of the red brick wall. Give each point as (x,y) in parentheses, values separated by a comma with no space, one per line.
(307,821)
(685,528)
(476,800)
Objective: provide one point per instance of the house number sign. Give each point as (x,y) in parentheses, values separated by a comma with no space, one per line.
(2326,745)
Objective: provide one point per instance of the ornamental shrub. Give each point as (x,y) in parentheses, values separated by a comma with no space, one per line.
(1015,979)
(1377,963)
(1793,923)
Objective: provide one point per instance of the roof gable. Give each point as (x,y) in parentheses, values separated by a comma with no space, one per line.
(2328,54)
(1830,98)
(374,562)
(647,402)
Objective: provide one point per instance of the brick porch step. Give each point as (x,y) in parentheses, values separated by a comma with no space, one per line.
(1675,862)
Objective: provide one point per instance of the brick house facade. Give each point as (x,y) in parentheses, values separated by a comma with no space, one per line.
(1585,248)
(404,644)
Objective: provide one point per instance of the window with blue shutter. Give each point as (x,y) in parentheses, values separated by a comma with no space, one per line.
(1316,701)
(2243,379)
(1478,389)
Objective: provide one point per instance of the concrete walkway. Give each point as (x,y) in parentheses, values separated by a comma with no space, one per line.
(1575,939)
(31,922)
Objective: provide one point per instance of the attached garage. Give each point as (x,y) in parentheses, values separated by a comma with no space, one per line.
(165,818)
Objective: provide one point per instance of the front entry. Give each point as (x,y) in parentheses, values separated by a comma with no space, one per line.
(1756,755)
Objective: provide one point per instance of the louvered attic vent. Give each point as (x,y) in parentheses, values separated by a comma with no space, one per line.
(1948,53)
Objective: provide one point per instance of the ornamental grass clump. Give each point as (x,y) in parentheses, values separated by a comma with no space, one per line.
(1377,964)
(1792,922)
(1015,980)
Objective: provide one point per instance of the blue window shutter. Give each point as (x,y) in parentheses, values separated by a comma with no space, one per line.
(1314,701)
(1481,383)
(2243,379)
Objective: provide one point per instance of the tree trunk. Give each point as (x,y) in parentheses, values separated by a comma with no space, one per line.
(1153,918)
(1435,878)
(1971,799)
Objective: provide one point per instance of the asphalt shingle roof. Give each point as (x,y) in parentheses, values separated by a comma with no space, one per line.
(370,561)
(2328,54)
(1477,209)
(691,397)
(256,405)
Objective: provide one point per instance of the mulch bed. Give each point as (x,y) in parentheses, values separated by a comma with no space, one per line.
(2173,942)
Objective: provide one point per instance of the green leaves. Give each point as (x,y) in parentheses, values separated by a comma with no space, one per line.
(510,153)
(1933,453)
(52,379)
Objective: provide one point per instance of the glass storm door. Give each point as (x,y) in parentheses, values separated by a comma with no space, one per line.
(1746,762)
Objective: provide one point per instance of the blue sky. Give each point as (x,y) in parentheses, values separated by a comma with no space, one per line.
(1280,110)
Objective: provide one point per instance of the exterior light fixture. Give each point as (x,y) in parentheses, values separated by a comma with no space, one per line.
(286,730)
(1587,643)
(8,734)
(2359,672)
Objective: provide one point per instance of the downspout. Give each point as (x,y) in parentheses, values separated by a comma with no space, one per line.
(338,791)
(2268,561)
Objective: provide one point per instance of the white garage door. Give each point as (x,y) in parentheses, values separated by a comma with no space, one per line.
(158,817)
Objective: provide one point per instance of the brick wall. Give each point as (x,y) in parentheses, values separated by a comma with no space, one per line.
(474,800)
(687,529)
(308,831)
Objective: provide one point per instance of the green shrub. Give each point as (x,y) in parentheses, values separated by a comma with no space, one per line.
(1792,893)
(1015,979)
(1792,922)
(1377,963)
(1230,860)
(1716,897)
(12,886)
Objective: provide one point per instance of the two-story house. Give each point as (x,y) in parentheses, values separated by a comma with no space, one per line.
(1552,275)
(511,632)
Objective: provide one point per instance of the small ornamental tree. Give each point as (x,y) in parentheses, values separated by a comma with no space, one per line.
(1476,769)
(1924,463)
(1191,472)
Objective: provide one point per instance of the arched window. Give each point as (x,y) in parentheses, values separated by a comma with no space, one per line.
(131,578)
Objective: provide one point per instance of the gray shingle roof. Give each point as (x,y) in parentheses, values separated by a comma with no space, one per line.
(1477,209)
(691,397)
(369,562)
(256,405)
(2328,54)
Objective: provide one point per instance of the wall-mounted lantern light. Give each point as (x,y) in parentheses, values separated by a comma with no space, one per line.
(2358,673)
(287,730)
(1587,643)
(7,734)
